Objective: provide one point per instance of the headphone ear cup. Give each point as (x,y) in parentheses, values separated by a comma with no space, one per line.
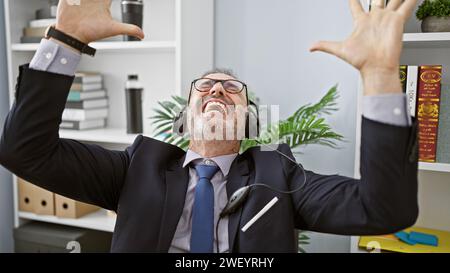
(179,122)
(252,122)
(247,125)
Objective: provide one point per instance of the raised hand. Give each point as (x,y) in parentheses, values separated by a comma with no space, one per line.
(375,45)
(90,20)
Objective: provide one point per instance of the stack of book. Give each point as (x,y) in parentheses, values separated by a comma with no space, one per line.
(36,28)
(422,85)
(87,103)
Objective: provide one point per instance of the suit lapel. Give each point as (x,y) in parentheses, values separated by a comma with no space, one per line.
(177,179)
(237,178)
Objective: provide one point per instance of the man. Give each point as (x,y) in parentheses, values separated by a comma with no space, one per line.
(169,200)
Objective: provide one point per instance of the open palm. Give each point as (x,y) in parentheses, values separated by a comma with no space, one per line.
(376,40)
(91,20)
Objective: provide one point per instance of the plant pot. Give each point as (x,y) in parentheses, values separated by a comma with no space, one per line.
(436,24)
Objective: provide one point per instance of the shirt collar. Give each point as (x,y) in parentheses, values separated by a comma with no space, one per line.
(223,161)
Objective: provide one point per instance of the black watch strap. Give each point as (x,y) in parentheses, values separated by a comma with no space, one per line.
(52,32)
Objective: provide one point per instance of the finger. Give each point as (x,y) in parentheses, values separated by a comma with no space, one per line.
(407,8)
(330,47)
(356,8)
(128,29)
(394,4)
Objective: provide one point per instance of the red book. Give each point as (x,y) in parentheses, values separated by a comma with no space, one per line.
(428,97)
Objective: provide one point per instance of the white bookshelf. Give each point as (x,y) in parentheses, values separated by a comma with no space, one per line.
(117,46)
(178,47)
(434,167)
(427,40)
(104,135)
(98,220)
(434,178)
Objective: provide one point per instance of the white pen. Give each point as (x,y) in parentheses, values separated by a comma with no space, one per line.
(260,213)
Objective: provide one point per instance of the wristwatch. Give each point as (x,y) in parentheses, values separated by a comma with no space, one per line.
(52,32)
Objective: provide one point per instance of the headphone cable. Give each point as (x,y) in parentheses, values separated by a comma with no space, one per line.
(266,186)
(291,160)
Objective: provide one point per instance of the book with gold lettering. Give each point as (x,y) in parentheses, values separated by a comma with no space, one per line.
(428,98)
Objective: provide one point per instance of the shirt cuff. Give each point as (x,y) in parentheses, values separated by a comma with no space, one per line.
(53,57)
(387,108)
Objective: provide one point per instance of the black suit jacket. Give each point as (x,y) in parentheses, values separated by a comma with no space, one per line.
(146,183)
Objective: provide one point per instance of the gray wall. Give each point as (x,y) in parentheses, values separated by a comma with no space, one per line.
(6,194)
(266,42)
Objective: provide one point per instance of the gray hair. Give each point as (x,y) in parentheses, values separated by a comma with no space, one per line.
(225,71)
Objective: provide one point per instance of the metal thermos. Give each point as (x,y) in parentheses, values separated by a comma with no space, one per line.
(133,94)
(132,13)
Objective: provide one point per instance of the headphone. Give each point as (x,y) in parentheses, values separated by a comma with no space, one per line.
(240,195)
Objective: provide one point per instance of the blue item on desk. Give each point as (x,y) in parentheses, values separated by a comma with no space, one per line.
(404,237)
(423,238)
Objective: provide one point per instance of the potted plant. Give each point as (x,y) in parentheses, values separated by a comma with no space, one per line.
(435,15)
(305,126)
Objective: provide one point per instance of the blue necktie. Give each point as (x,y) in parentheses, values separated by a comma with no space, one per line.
(202,237)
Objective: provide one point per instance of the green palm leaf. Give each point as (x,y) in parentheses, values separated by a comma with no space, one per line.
(163,120)
(305,126)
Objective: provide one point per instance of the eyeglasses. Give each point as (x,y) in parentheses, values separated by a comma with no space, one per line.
(231,86)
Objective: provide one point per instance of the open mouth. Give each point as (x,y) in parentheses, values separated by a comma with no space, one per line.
(214,105)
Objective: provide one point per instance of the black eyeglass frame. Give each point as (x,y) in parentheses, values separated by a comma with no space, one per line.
(244,87)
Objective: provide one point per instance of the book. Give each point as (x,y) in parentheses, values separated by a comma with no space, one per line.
(87,104)
(42,22)
(87,77)
(428,97)
(403,76)
(83,125)
(84,114)
(86,87)
(411,88)
(34,31)
(443,144)
(83,95)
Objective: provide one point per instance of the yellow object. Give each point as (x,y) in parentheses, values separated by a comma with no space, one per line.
(392,243)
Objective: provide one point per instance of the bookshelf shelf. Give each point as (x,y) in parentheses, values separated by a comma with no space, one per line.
(145,46)
(104,135)
(427,40)
(98,220)
(435,167)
